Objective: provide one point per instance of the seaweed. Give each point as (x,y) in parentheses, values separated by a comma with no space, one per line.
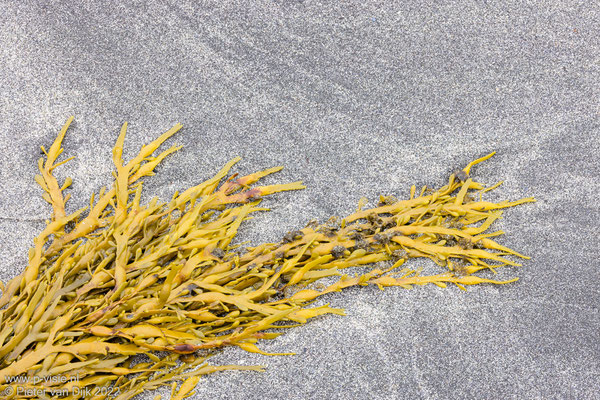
(164,280)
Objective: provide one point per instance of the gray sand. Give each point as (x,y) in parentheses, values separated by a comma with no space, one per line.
(356,99)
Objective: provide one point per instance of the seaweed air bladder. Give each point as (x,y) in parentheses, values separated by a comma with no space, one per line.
(128,297)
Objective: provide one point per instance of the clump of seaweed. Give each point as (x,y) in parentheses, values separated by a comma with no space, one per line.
(163,279)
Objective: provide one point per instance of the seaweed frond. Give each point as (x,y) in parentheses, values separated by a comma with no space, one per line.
(163,279)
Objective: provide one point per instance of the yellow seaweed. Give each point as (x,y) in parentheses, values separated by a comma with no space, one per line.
(129,279)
